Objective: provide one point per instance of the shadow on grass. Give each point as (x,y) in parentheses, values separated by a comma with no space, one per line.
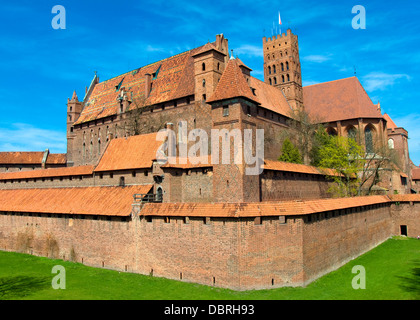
(411,283)
(21,286)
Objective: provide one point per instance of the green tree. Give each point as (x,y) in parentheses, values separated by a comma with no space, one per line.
(289,153)
(346,157)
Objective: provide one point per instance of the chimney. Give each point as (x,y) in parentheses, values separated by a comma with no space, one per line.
(147,85)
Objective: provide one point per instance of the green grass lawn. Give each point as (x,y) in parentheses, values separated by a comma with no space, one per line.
(392,273)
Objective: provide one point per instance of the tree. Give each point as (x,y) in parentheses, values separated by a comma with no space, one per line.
(345,156)
(290,153)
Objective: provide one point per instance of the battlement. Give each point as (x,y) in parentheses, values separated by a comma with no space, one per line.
(282,36)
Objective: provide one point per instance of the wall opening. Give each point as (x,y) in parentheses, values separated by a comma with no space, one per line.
(403,230)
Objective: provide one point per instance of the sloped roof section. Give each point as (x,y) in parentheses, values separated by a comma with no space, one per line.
(130,153)
(31,157)
(232,84)
(104,201)
(48,173)
(389,123)
(270,97)
(256,209)
(295,167)
(173,78)
(339,100)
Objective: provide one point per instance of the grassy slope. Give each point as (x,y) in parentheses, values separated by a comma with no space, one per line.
(29,277)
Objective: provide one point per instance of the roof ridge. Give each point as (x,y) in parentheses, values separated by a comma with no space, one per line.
(336,80)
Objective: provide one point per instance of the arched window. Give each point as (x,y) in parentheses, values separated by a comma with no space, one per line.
(269,80)
(203,66)
(282,78)
(274,69)
(369,139)
(204,83)
(391,143)
(282,66)
(352,133)
(269,70)
(288,77)
(275,80)
(331,131)
(287,65)
(122,181)
(159,194)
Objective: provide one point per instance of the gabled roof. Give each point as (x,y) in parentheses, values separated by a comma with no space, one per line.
(339,100)
(232,84)
(415,174)
(207,47)
(173,79)
(133,152)
(105,201)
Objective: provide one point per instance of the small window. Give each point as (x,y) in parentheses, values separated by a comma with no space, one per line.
(122,181)
(203,66)
(204,83)
(204,97)
(225,111)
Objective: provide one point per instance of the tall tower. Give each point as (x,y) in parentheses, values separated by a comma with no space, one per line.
(74,108)
(282,66)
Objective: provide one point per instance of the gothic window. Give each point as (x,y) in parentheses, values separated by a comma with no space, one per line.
(282,66)
(218,66)
(369,139)
(391,143)
(275,80)
(288,77)
(352,133)
(287,65)
(269,70)
(204,83)
(203,66)
(269,80)
(282,78)
(274,69)
(331,131)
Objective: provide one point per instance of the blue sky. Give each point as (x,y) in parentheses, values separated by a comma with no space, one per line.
(40,66)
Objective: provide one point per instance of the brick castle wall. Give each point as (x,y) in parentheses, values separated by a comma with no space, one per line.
(237,253)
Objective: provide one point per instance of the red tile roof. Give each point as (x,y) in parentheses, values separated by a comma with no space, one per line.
(185,163)
(232,84)
(255,209)
(174,78)
(21,157)
(31,157)
(389,123)
(130,153)
(339,100)
(295,167)
(415,174)
(270,97)
(104,201)
(405,197)
(48,173)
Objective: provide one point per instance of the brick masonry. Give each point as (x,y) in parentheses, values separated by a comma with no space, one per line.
(237,253)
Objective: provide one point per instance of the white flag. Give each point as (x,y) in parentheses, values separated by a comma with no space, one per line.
(279,18)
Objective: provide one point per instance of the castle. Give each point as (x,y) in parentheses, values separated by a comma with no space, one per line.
(111,202)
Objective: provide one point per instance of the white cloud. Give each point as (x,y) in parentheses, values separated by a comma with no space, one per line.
(25,137)
(248,50)
(316,58)
(381,81)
